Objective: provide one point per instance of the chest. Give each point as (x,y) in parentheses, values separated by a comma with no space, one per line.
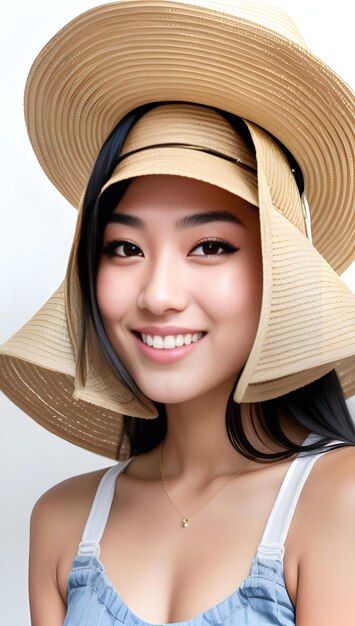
(167,573)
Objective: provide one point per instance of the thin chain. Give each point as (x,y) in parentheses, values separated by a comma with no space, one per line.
(185,520)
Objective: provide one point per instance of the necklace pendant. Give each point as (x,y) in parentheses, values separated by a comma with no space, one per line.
(185,522)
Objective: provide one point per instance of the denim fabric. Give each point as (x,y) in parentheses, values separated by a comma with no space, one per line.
(261,599)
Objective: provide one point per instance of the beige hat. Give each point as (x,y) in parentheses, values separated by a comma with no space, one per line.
(243,56)
(307,322)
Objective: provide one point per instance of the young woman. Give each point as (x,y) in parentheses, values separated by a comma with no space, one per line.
(199,337)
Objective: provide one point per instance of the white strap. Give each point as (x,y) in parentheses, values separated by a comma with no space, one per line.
(275,533)
(96,522)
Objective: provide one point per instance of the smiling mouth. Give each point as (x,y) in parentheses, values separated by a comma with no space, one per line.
(169,342)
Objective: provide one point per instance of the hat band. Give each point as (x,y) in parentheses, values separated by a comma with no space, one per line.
(188,146)
(235,161)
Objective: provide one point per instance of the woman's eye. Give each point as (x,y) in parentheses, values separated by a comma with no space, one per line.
(123,249)
(213,247)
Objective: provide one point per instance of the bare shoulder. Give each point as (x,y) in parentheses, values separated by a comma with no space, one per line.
(331,484)
(71,491)
(57,522)
(327,554)
(60,509)
(337,461)
(328,496)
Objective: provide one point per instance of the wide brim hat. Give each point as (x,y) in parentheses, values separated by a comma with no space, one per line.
(246,58)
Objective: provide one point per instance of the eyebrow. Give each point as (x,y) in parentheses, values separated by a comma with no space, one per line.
(185,222)
(206,218)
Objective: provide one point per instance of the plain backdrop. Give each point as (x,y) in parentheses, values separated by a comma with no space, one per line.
(37,225)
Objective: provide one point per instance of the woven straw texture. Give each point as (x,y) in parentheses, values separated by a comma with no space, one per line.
(247,58)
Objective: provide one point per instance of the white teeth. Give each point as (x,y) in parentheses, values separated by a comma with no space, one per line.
(158,342)
(170,341)
(179,341)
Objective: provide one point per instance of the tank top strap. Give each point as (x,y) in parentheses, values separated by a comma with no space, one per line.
(96,522)
(272,545)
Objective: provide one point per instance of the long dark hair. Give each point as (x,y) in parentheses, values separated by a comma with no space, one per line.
(320,406)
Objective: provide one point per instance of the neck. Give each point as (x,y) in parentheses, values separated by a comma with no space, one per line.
(197,445)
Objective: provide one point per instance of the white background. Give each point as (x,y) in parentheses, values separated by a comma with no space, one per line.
(36,230)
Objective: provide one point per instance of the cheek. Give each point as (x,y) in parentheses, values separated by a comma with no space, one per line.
(237,293)
(112,296)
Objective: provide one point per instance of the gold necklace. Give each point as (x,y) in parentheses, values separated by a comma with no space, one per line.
(186,520)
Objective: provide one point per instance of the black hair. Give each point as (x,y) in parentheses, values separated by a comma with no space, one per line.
(320,406)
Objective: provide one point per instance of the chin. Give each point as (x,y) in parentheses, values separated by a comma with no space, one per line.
(165,397)
(178,392)
(167,392)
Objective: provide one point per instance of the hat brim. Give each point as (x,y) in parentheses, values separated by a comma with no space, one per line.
(48,399)
(39,374)
(116,57)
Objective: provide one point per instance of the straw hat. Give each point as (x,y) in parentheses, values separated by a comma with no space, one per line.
(243,57)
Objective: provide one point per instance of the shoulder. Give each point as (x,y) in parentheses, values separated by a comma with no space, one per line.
(328,497)
(332,478)
(333,488)
(72,494)
(57,522)
(327,552)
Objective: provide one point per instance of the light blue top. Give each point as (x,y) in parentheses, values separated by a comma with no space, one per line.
(261,599)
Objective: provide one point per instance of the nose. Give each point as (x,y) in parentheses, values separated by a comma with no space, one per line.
(163,287)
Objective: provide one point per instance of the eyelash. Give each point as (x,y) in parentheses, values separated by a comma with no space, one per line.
(110,248)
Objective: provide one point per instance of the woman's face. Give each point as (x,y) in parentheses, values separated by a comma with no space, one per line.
(181,264)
